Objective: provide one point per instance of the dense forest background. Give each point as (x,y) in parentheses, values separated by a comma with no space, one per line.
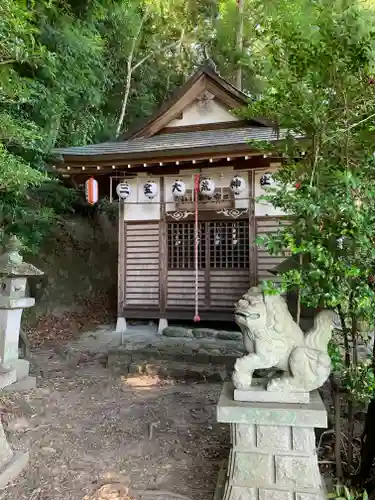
(74,72)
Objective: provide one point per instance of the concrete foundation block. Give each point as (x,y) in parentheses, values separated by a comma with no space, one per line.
(163,324)
(26,384)
(13,468)
(22,367)
(121,325)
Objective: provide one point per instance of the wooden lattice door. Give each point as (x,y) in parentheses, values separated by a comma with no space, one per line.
(223,258)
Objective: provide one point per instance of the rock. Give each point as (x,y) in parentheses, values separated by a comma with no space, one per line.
(226,335)
(48,450)
(115,491)
(200,333)
(180,370)
(19,424)
(177,331)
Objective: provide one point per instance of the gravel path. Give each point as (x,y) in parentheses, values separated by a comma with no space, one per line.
(141,437)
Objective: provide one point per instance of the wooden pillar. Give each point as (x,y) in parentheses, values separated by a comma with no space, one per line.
(163,251)
(121,260)
(253,253)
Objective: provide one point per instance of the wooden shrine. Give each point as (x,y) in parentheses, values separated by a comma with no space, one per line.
(195,132)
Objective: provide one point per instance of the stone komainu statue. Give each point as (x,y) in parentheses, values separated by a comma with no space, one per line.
(274,340)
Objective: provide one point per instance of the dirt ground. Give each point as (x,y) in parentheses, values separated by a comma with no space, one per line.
(143,438)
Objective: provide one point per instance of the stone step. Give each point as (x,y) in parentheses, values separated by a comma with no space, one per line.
(180,370)
(192,367)
(194,358)
(160,345)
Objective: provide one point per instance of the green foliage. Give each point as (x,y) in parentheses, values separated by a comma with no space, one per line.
(342,492)
(63,71)
(68,68)
(359,381)
(318,86)
(336,356)
(317,62)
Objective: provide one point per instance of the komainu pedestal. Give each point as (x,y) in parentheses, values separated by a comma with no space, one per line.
(273,455)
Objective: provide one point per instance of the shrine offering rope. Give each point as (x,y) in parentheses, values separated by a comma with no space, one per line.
(196,246)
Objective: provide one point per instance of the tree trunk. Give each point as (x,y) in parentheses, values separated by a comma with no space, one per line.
(239,41)
(368,438)
(350,435)
(129,74)
(337,408)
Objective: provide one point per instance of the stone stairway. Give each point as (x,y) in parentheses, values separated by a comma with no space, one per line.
(180,353)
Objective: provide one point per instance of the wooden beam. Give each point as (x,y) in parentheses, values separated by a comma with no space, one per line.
(237,161)
(205,126)
(183,154)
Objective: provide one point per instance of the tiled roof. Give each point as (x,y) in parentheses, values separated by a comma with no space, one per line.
(177,141)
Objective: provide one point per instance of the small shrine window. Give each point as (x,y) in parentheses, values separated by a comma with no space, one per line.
(222,244)
(181,249)
(229,244)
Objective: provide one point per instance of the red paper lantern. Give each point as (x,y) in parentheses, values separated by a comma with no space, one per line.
(92,191)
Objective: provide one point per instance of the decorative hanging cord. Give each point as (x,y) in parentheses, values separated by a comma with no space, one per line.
(196,246)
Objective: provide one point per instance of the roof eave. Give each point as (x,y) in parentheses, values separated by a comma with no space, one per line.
(181,154)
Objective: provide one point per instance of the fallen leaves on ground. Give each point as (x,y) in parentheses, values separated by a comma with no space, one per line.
(55,330)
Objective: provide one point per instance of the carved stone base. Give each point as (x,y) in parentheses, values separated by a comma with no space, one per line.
(258,394)
(273,454)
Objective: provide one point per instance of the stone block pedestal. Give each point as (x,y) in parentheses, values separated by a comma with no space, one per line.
(273,455)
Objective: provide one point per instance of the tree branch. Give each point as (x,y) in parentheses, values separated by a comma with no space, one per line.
(131,69)
(360,122)
(129,77)
(144,59)
(9,61)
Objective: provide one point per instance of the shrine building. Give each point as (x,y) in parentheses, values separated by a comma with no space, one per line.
(190,170)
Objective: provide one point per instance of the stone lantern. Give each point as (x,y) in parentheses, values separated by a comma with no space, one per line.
(13,277)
